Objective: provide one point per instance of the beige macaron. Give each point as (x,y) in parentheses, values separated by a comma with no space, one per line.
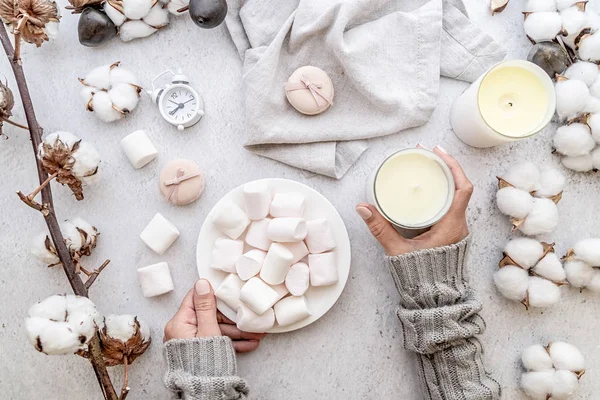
(309,90)
(181,182)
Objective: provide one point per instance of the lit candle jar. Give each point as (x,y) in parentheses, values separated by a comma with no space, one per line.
(513,100)
(412,188)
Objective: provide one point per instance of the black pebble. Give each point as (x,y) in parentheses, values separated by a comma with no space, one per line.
(208,14)
(95,27)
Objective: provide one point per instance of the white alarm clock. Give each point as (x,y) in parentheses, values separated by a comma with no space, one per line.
(179,104)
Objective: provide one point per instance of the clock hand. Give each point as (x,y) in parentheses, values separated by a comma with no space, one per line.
(188,101)
(173,111)
(173,102)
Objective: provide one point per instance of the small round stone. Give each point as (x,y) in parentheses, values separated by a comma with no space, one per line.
(302,98)
(95,27)
(188,190)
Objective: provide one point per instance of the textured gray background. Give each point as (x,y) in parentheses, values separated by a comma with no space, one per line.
(354,351)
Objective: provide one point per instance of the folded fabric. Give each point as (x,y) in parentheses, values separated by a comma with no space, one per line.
(384,57)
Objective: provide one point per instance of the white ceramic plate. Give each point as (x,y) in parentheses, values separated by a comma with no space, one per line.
(319,299)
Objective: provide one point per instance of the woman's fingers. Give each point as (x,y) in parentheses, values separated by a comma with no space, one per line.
(245,346)
(392,242)
(464,187)
(235,334)
(222,319)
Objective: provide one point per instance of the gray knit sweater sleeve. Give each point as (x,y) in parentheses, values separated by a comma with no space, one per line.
(203,369)
(439,316)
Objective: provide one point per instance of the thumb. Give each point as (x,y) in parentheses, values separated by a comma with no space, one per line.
(392,242)
(205,306)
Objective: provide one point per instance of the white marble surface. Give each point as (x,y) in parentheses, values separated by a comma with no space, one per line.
(355,350)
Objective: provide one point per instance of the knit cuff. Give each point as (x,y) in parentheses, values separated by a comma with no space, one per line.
(430,278)
(213,356)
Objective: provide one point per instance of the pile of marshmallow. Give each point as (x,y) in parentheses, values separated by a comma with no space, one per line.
(283,253)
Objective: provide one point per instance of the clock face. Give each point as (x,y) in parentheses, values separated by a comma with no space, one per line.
(180,104)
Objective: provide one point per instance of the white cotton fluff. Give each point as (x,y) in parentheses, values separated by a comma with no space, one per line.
(593,6)
(594,123)
(573,21)
(120,75)
(158,16)
(175,5)
(124,96)
(86,162)
(592,106)
(542,292)
(574,140)
(571,97)
(514,202)
(543,26)
(589,47)
(537,384)
(86,93)
(543,218)
(122,327)
(594,284)
(512,282)
(596,158)
(550,267)
(524,251)
(525,176)
(588,250)
(103,107)
(584,71)
(579,273)
(98,77)
(566,356)
(38,249)
(562,4)
(534,6)
(51,29)
(88,228)
(136,29)
(536,358)
(67,138)
(72,237)
(136,9)
(552,182)
(565,385)
(115,15)
(580,164)
(595,87)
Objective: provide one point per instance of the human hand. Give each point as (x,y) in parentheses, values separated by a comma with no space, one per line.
(452,228)
(198,317)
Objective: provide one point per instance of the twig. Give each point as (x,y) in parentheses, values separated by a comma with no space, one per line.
(79,288)
(15,123)
(17,33)
(125,388)
(94,275)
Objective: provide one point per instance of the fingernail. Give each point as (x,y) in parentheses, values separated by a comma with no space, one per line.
(364,212)
(440,148)
(202,287)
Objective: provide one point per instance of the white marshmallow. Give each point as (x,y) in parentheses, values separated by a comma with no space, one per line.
(291,310)
(248,321)
(276,264)
(281,290)
(323,269)
(225,254)
(229,291)
(155,279)
(297,279)
(159,234)
(257,234)
(287,230)
(298,249)
(257,200)
(319,238)
(288,205)
(231,220)
(249,264)
(258,296)
(138,148)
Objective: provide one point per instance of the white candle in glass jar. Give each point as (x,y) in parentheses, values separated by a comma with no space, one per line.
(412,188)
(513,100)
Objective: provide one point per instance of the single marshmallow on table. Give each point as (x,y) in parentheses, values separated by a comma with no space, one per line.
(257,234)
(229,291)
(155,279)
(323,269)
(257,200)
(138,148)
(258,296)
(226,253)
(298,249)
(248,321)
(181,182)
(291,310)
(231,220)
(287,205)
(249,264)
(276,264)
(159,234)
(287,230)
(319,238)
(297,279)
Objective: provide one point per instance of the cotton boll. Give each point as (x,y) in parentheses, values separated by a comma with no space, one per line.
(536,358)
(596,158)
(543,218)
(87,160)
(574,140)
(86,93)
(120,75)
(550,268)
(580,164)
(543,26)
(593,6)
(584,71)
(565,385)
(538,384)
(122,327)
(525,176)
(115,15)
(588,250)
(552,182)
(158,16)
(589,47)
(136,9)
(562,4)
(99,77)
(51,29)
(72,237)
(124,96)
(134,30)
(175,5)
(571,97)
(90,230)
(579,273)
(38,248)
(542,292)
(595,87)
(53,308)
(103,107)
(512,282)
(594,284)
(573,21)
(524,251)
(594,124)
(514,202)
(592,106)
(566,356)
(67,138)
(534,6)
(52,338)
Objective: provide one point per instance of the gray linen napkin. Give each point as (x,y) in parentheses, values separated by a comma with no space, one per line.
(384,57)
